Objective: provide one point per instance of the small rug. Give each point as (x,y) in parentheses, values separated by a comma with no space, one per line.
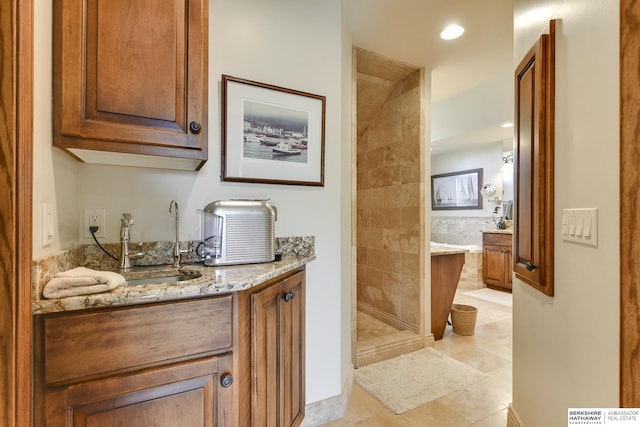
(486,294)
(411,380)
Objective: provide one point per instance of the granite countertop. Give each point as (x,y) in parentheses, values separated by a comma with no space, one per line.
(213,280)
(157,263)
(498,231)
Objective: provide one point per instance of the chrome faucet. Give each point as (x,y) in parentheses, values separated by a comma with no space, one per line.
(126,254)
(176,246)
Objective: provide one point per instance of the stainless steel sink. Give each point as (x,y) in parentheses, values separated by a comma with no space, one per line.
(163,279)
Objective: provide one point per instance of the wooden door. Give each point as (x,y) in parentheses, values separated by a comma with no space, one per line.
(130,76)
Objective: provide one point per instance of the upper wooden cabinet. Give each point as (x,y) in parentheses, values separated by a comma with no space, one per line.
(130,76)
(534,165)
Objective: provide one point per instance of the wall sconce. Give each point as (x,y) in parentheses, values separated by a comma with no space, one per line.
(507,161)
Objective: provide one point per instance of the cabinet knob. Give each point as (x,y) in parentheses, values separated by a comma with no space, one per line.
(288,296)
(195,127)
(530,266)
(226,380)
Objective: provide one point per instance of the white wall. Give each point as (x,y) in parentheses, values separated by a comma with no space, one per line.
(289,43)
(566,348)
(487,157)
(54,173)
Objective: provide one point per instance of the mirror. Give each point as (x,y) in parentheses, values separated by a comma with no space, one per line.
(488,190)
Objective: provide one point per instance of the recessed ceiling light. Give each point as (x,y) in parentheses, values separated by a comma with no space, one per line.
(507,125)
(451,32)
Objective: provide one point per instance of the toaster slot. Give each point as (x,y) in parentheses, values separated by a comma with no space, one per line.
(213,229)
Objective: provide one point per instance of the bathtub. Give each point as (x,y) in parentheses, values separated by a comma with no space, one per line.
(470,248)
(471,276)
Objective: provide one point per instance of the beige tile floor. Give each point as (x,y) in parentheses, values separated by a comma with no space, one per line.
(483,404)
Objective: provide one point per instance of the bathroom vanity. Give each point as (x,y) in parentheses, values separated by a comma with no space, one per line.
(497,262)
(226,347)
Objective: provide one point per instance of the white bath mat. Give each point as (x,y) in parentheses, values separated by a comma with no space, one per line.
(411,380)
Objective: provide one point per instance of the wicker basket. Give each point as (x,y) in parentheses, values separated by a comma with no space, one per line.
(463,318)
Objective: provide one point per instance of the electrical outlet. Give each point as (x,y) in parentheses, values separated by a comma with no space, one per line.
(95,218)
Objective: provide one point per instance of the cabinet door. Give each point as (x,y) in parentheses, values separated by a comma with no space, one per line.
(508,269)
(189,395)
(293,344)
(534,166)
(493,265)
(266,356)
(130,76)
(277,354)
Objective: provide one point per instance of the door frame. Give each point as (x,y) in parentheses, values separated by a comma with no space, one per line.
(16,164)
(629,200)
(629,366)
(17,151)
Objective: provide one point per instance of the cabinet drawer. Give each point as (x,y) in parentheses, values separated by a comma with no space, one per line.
(502,239)
(103,342)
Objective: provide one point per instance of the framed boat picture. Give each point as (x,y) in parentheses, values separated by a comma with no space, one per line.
(456,190)
(271,135)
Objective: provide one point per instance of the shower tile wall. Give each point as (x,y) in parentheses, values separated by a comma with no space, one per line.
(388,203)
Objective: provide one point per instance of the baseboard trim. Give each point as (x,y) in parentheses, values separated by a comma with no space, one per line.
(387,318)
(429,340)
(406,343)
(513,420)
(331,409)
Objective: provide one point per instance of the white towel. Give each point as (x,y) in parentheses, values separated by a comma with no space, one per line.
(82,281)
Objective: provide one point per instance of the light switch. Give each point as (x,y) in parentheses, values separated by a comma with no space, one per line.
(572,224)
(586,227)
(580,226)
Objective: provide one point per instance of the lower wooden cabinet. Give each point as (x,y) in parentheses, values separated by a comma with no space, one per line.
(229,360)
(497,260)
(167,364)
(271,352)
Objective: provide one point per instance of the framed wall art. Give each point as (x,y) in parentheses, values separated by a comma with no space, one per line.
(271,134)
(456,190)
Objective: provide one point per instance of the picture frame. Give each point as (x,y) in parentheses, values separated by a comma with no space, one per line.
(456,190)
(271,134)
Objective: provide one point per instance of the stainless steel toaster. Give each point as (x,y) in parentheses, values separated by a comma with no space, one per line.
(238,232)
